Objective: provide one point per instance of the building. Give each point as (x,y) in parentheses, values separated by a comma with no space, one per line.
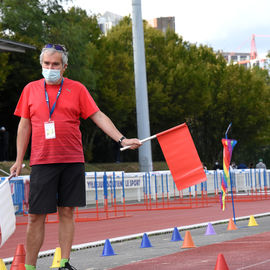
(163,23)
(244,59)
(108,20)
(232,57)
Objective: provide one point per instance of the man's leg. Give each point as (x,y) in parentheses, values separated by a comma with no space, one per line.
(66,230)
(34,237)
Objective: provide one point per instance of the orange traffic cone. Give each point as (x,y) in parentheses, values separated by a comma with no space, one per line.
(221,263)
(231,225)
(188,242)
(18,258)
(21,266)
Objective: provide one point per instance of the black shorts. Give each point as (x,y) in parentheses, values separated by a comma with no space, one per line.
(53,185)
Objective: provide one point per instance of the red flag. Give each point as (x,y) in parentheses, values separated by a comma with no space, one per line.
(181,156)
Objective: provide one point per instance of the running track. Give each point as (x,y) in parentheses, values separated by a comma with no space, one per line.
(144,221)
(250,253)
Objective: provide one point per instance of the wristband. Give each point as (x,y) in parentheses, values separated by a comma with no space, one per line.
(120,140)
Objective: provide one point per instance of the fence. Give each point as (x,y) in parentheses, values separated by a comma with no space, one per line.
(117,194)
(19,187)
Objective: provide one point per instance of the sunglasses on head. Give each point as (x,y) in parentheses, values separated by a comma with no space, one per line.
(56,47)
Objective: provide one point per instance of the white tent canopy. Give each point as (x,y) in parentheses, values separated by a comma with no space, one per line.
(12,46)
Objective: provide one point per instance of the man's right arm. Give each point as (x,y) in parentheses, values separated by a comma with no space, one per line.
(23,136)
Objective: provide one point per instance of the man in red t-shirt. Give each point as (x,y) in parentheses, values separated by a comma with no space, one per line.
(50,111)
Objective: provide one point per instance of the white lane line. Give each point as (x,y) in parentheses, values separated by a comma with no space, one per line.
(134,236)
(252,265)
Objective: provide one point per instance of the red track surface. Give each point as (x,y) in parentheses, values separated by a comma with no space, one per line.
(250,252)
(136,222)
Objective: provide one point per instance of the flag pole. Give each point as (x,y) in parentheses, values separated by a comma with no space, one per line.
(232,198)
(11,175)
(142,141)
(226,136)
(226,133)
(156,135)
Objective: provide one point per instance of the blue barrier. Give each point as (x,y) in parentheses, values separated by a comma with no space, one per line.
(17,192)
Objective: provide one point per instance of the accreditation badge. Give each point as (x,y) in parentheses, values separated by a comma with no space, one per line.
(49,130)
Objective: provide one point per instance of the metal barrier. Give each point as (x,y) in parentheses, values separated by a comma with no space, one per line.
(20,193)
(115,194)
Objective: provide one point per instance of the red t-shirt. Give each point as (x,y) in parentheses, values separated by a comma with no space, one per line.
(74,102)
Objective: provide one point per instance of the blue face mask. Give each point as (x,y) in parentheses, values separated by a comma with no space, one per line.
(51,75)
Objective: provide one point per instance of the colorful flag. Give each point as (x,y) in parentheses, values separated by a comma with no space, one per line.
(228,146)
(181,156)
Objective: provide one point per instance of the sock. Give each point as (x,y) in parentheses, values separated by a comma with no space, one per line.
(29,267)
(62,262)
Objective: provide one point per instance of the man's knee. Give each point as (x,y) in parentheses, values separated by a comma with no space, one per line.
(65,212)
(36,218)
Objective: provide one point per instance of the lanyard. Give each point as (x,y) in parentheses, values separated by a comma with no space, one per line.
(47,98)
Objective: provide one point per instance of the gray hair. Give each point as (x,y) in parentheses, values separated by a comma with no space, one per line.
(52,51)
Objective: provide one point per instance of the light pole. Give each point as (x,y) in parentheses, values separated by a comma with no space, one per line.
(145,152)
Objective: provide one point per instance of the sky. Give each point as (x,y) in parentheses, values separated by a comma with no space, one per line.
(223,25)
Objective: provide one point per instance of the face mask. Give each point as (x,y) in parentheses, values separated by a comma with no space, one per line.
(51,75)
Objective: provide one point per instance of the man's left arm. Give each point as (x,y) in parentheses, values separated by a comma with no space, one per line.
(105,123)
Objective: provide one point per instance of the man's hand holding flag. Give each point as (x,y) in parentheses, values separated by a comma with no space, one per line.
(181,156)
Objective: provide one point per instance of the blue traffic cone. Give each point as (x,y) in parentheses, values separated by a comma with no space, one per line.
(145,241)
(108,250)
(176,235)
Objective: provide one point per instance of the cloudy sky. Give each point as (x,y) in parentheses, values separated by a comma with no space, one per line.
(224,25)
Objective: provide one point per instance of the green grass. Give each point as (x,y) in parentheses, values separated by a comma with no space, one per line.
(93,167)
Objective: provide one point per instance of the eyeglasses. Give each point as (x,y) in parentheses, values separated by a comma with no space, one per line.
(56,47)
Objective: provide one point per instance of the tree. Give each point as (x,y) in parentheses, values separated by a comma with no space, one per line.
(115,84)
(39,22)
(186,82)
(236,100)
(4,69)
